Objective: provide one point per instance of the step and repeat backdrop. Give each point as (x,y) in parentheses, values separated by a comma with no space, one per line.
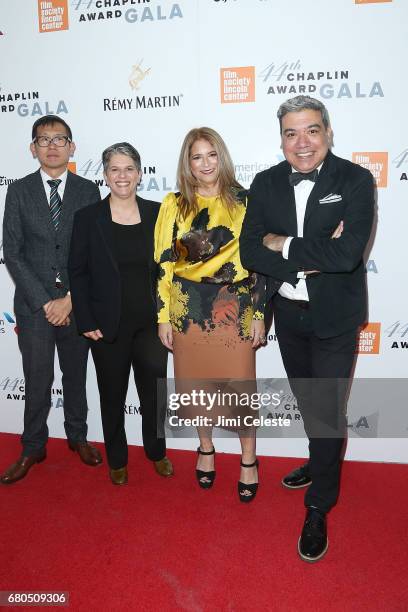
(147,71)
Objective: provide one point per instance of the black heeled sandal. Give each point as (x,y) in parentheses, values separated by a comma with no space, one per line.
(251,488)
(201,475)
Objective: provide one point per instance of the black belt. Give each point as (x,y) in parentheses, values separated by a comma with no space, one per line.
(305,304)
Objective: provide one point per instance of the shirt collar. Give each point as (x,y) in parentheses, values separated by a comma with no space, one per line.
(45,177)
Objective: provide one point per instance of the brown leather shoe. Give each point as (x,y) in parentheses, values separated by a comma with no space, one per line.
(119,476)
(18,470)
(164,467)
(87,453)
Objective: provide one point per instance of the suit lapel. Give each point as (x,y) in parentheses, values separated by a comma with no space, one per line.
(42,208)
(320,188)
(104,223)
(146,219)
(69,201)
(286,198)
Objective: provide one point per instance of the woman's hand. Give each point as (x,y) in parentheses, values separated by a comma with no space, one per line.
(257,333)
(338,231)
(166,335)
(94,335)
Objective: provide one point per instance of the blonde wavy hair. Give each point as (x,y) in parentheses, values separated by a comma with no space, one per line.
(188,184)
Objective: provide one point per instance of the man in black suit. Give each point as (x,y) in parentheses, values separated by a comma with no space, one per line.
(37,229)
(307,224)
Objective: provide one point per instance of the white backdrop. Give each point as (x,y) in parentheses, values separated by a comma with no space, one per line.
(146,71)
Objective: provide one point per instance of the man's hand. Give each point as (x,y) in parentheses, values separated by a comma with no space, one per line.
(47,306)
(274,242)
(57,311)
(166,335)
(336,234)
(96,334)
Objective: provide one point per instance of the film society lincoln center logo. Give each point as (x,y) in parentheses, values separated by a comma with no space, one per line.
(377,163)
(237,85)
(52,15)
(368,341)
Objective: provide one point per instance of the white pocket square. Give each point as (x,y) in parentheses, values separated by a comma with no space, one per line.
(331,198)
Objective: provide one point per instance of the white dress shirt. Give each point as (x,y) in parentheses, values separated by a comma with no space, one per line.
(302,193)
(61,186)
(61,189)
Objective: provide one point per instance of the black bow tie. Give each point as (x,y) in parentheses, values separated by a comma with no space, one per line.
(296,177)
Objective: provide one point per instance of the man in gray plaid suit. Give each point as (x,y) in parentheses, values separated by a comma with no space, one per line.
(37,230)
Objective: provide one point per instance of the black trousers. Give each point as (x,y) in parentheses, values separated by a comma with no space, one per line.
(319,370)
(139,348)
(37,340)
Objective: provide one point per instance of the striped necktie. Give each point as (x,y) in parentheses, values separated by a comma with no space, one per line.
(55,202)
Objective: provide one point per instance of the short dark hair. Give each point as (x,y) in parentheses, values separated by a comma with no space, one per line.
(123,148)
(300,103)
(50,120)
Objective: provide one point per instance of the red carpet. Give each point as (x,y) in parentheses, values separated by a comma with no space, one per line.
(166,545)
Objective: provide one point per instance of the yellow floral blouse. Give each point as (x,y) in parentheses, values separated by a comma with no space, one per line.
(202,248)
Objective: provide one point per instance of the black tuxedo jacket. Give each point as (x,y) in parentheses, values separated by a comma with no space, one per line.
(93,271)
(343,191)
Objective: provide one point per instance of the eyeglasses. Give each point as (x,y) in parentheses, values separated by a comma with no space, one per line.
(58,141)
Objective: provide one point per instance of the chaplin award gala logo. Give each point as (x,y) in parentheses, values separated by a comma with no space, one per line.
(131,11)
(291,77)
(52,15)
(152,179)
(400,160)
(377,163)
(28,103)
(396,331)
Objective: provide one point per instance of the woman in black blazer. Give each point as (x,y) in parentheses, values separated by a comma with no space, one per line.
(113,286)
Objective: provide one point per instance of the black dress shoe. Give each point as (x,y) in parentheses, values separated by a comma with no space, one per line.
(298,478)
(313,542)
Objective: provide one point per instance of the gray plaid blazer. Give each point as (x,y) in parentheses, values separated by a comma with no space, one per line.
(33,250)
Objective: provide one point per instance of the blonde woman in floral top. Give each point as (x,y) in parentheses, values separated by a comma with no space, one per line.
(210,309)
